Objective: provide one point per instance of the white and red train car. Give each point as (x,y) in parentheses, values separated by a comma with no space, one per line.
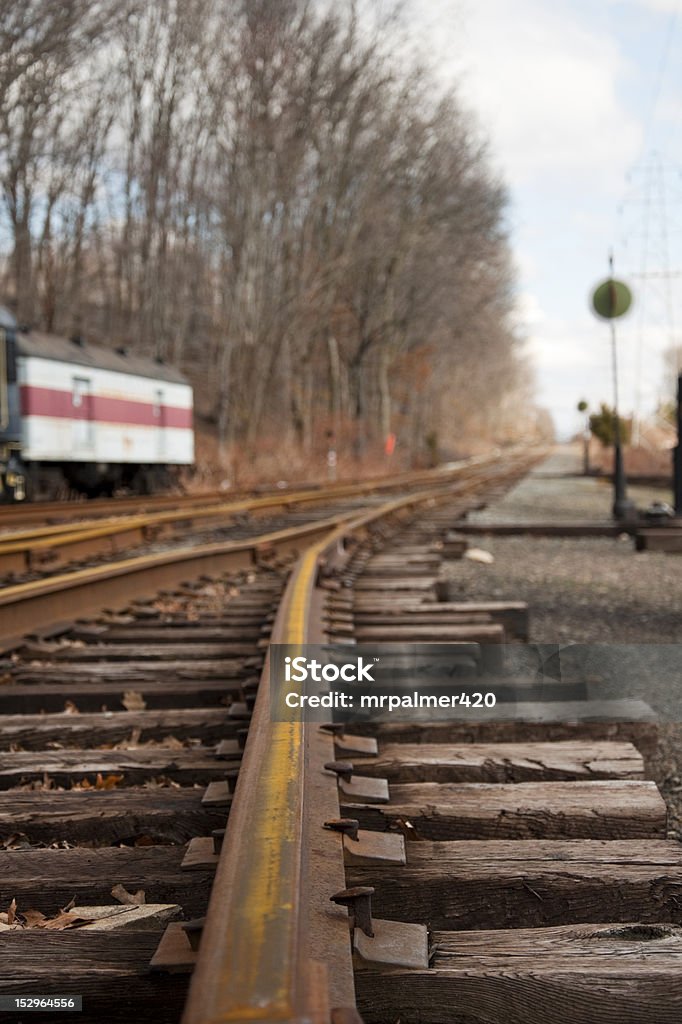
(90,417)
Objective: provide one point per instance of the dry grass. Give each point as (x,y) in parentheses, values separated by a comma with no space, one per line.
(273,461)
(638,461)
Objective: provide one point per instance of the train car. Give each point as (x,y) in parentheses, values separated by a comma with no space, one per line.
(79,416)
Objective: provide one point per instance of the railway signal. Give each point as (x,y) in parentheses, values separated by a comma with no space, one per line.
(610,300)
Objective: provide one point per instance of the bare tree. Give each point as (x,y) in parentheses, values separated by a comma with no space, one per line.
(270,195)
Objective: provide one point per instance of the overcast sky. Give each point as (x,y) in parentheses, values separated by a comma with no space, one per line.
(581,101)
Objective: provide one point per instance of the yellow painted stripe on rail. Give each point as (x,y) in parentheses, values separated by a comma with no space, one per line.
(261,957)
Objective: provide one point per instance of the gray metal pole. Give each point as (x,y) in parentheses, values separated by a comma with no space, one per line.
(621,506)
(677,454)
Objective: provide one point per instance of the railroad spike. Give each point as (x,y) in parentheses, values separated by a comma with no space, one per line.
(344,769)
(346,826)
(217,835)
(359,903)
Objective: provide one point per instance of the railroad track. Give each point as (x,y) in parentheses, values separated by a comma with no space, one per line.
(504,868)
(122,733)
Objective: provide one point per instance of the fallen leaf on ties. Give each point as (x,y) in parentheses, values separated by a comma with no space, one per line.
(161,782)
(108,781)
(63,921)
(146,841)
(32,918)
(129,899)
(12,912)
(133,701)
(70,708)
(17,841)
(173,743)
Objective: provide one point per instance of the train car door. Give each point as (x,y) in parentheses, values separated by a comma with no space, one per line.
(81,414)
(160,421)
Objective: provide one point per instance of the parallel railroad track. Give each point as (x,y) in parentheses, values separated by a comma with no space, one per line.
(65,513)
(122,735)
(39,550)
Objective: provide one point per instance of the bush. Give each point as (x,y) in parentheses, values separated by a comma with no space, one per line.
(603,423)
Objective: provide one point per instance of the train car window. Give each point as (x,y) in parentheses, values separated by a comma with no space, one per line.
(82,429)
(80,389)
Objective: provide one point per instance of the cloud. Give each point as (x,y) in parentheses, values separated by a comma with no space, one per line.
(543,82)
(562,92)
(659,6)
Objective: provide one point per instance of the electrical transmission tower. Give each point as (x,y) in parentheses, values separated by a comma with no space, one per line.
(651,227)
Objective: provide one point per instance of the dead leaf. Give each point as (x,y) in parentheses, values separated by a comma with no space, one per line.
(121,894)
(63,921)
(70,708)
(133,701)
(146,841)
(16,841)
(128,744)
(173,743)
(32,918)
(161,782)
(12,912)
(108,782)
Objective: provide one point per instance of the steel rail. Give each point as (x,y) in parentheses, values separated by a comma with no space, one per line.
(27,606)
(95,508)
(268,952)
